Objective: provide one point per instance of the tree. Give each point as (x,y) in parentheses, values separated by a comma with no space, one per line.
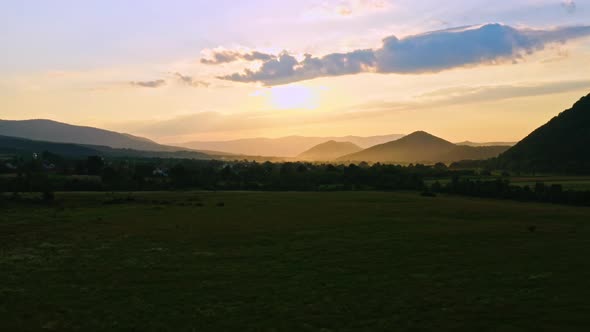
(94,165)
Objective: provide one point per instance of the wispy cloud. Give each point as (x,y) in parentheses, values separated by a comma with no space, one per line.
(190,81)
(171,78)
(149,84)
(425,53)
(224,56)
(461,95)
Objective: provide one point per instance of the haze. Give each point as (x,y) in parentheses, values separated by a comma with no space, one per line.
(179,71)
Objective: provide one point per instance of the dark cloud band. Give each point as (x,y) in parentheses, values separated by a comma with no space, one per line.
(426,53)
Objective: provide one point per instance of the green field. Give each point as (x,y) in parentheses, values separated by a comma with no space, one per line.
(568,182)
(354,261)
(577,183)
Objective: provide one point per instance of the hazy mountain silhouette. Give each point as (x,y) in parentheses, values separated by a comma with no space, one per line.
(561,145)
(329,151)
(464,152)
(58,132)
(418,146)
(52,131)
(422,147)
(290,146)
(476,144)
(21,146)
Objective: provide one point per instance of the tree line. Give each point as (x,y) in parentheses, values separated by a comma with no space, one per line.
(47,173)
(97,174)
(502,189)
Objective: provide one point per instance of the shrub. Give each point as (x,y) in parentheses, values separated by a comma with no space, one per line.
(48,196)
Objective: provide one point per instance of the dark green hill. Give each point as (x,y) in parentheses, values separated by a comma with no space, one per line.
(329,151)
(561,145)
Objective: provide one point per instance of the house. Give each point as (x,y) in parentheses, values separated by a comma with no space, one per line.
(160,172)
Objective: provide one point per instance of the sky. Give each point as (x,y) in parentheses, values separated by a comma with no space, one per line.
(178,71)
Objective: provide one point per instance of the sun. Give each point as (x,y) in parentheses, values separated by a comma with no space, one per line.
(293,97)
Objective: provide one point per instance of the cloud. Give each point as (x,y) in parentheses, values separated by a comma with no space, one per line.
(287,69)
(463,95)
(569,6)
(178,77)
(149,84)
(472,95)
(426,53)
(219,57)
(188,80)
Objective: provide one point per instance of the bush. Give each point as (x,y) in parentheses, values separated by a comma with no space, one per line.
(48,196)
(428,194)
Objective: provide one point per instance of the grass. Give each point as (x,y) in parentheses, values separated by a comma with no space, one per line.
(292,262)
(578,183)
(567,182)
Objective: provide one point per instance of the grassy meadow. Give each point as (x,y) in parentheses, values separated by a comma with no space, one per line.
(577,183)
(242,261)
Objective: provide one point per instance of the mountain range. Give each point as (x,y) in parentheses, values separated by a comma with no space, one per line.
(421,146)
(39,135)
(289,147)
(475,144)
(23,146)
(52,131)
(328,151)
(58,132)
(561,145)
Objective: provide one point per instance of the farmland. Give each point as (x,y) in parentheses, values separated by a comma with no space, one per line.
(291,261)
(577,183)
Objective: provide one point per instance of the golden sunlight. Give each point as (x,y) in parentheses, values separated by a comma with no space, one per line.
(291,97)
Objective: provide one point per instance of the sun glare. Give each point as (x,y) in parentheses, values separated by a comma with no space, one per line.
(293,97)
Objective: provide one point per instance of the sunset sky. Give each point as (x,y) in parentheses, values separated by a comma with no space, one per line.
(176,71)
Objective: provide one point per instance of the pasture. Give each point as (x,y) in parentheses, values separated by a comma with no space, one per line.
(577,183)
(243,261)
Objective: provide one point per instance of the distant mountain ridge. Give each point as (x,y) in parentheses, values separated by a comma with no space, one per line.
(53,131)
(561,145)
(483,144)
(329,151)
(58,132)
(17,145)
(421,146)
(290,146)
(417,147)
